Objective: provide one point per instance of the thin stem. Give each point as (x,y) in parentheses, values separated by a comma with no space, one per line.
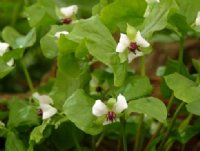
(181,50)
(28,78)
(78,148)
(123,133)
(170,126)
(100,139)
(142,72)
(169,105)
(93,143)
(138,134)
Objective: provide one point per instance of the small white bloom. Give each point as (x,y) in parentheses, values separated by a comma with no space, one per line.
(100,109)
(57,34)
(124,42)
(141,41)
(197,21)
(45,101)
(3,48)
(10,62)
(69,11)
(152,1)
(133,46)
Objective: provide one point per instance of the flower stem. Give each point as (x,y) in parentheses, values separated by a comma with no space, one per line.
(100,139)
(138,134)
(28,78)
(170,126)
(123,132)
(78,148)
(181,50)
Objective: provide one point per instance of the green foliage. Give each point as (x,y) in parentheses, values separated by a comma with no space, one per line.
(16,40)
(150,106)
(183,88)
(13,143)
(22,114)
(82,118)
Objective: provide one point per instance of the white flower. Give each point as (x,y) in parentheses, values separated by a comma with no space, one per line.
(152,1)
(124,42)
(133,46)
(45,101)
(100,109)
(69,11)
(197,21)
(3,48)
(10,62)
(57,34)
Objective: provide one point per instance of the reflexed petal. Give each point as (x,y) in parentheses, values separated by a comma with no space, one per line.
(131,56)
(152,1)
(10,62)
(197,21)
(141,41)
(106,122)
(3,47)
(57,34)
(124,40)
(121,104)
(43,99)
(69,11)
(120,48)
(99,108)
(47,111)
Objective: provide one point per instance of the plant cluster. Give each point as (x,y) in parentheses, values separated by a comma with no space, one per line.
(96,95)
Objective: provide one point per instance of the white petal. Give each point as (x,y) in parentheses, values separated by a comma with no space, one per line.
(131,56)
(121,104)
(120,48)
(43,99)
(99,108)
(10,62)
(197,21)
(141,41)
(106,122)
(69,11)
(57,34)
(3,47)
(47,111)
(124,40)
(152,1)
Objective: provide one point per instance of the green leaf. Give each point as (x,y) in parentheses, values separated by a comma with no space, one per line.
(41,13)
(22,114)
(151,106)
(194,107)
(16,40)
(100,44)
(184,88)
(4,69)
(188,9)
(136,87)
(39,133)
(171,67)
(121,12)
(157,19)
(179,24)
(13,143)
(78,108)
(196,64)
(49,43)
(72,74)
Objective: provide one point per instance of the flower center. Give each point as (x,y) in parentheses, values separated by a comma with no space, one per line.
(98,89)
(66,20)
(111,116)
(133,47)
(39,113)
